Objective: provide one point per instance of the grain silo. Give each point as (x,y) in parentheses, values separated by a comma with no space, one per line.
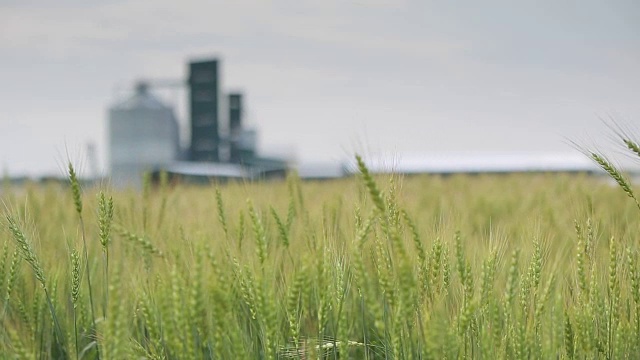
(143,135)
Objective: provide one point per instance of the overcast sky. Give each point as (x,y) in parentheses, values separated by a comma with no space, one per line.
(324,79)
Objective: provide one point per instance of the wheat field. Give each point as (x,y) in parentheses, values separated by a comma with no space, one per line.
(517,266)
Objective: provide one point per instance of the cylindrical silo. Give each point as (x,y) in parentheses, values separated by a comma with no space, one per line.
(143,135)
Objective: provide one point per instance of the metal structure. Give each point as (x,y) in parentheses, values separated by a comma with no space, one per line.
(236,135)
(143,135)
(204,100)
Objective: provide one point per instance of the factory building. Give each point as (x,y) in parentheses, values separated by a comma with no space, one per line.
(143,135)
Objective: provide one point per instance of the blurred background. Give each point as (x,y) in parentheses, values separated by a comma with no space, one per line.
(319,80)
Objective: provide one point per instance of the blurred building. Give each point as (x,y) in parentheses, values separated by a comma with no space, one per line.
(143,135)
(242,141)
(204,89)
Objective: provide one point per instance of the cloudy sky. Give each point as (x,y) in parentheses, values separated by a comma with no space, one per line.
(324,79)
